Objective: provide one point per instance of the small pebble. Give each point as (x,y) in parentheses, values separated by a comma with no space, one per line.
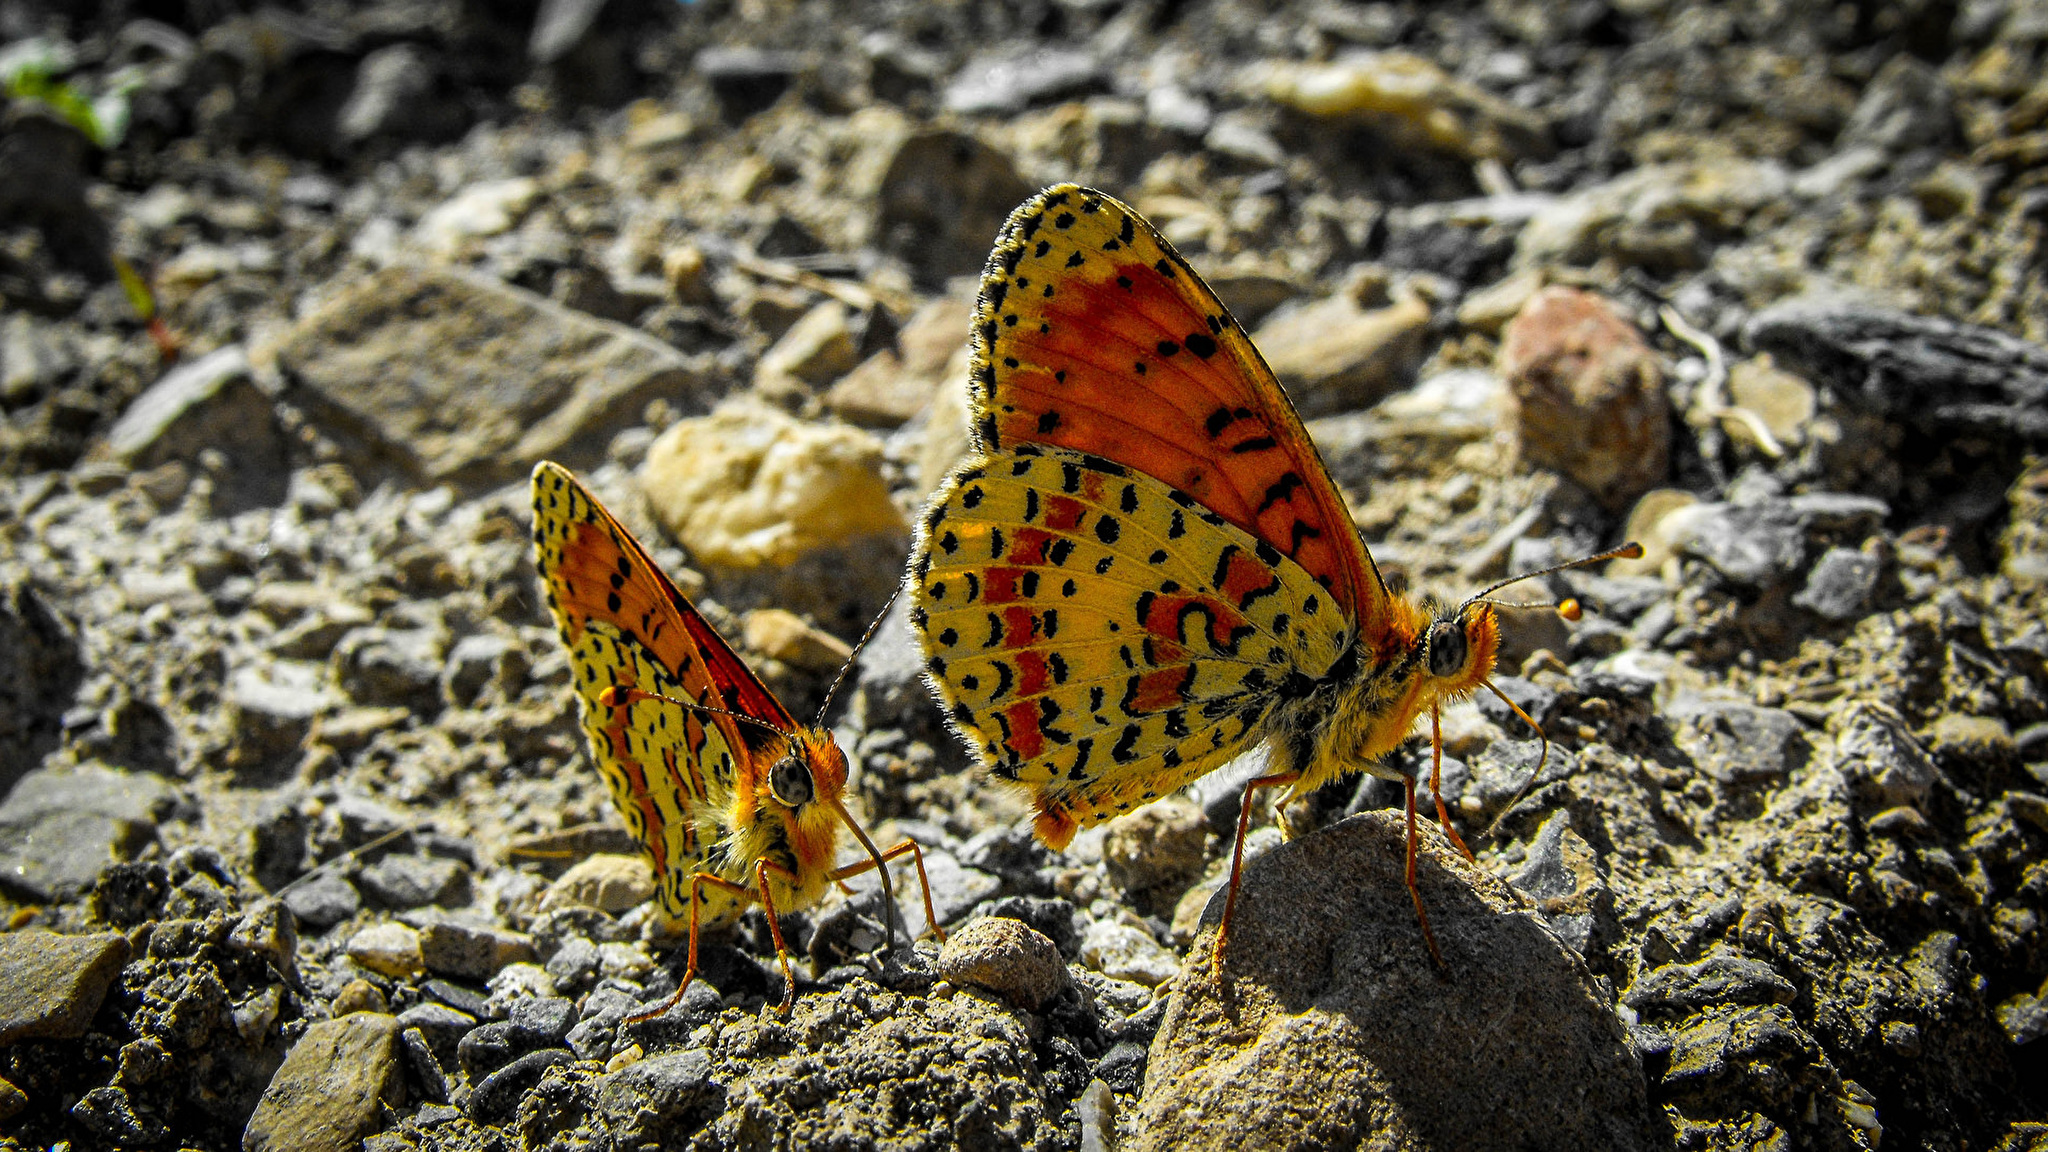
(1005,956)
(357,996)
(1127,953)
(388,949)
(606,881)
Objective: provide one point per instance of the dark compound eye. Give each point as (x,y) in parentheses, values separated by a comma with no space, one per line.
(790,780)
(1446,648)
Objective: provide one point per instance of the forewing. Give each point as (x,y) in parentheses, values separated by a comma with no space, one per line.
(1092,333)
(1099,637)
(671,770)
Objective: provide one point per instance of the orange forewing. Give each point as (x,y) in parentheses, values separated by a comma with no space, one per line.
(605,574)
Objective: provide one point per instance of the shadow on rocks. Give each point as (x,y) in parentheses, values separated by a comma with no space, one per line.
(1329,1028)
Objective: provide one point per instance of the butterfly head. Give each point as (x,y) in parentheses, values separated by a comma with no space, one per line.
(1459,647)
(805,787)
(801,788)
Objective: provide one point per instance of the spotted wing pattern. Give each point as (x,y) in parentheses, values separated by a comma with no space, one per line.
(1101,637)
(672,772)
(1092,333)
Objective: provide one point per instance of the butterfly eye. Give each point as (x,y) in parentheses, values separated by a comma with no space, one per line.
(1446,648)
(790,780)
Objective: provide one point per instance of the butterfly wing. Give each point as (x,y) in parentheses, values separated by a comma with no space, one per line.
(1101,638)
(1092,333)
(672,771)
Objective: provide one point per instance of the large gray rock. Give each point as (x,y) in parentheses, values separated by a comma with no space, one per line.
(454,377)
(1327,1026)
(61,827)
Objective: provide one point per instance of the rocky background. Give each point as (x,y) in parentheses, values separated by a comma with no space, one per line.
(294,297)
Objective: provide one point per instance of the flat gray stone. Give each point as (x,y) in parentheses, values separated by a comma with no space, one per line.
(61,827)
(1327,1026)
(450,376)
(414,880)
(331,1090)
(51,984)
(323,900)
(474,951)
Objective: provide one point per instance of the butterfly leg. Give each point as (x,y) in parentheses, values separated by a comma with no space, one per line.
(1436,776)
(761,870)
(697,881)
(1421,916)
(1244,821)
(916,853)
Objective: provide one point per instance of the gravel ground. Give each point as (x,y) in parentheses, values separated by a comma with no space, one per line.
(300,846)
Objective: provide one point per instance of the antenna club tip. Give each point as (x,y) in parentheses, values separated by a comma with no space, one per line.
(609,698)
(1569,609)
(1629,551)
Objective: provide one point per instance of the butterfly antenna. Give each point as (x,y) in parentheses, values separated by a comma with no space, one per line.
(1542,759)
(881,870)
(1628,551)
(352,854)
(874,626)
(620,696)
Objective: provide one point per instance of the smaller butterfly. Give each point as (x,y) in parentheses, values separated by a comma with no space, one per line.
(732,800)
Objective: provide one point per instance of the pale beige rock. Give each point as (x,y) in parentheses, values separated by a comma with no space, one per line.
(356,996)
(1410,97)
(475,212)
(878,393)
(783,635)
(818,349)
(748,487)
(1654,213)
(1327,1026)
(1784,402)
(607,881)
(1588,395)
(388,949)
(1333,355)
(687,274)
(1646,526)
(780,511)
(1187,913)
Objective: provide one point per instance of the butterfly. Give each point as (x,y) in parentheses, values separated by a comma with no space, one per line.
(1144,569)
(731,799)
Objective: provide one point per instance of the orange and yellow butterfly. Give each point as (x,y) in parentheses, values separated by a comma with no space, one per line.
(1144,569)
(731,799)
